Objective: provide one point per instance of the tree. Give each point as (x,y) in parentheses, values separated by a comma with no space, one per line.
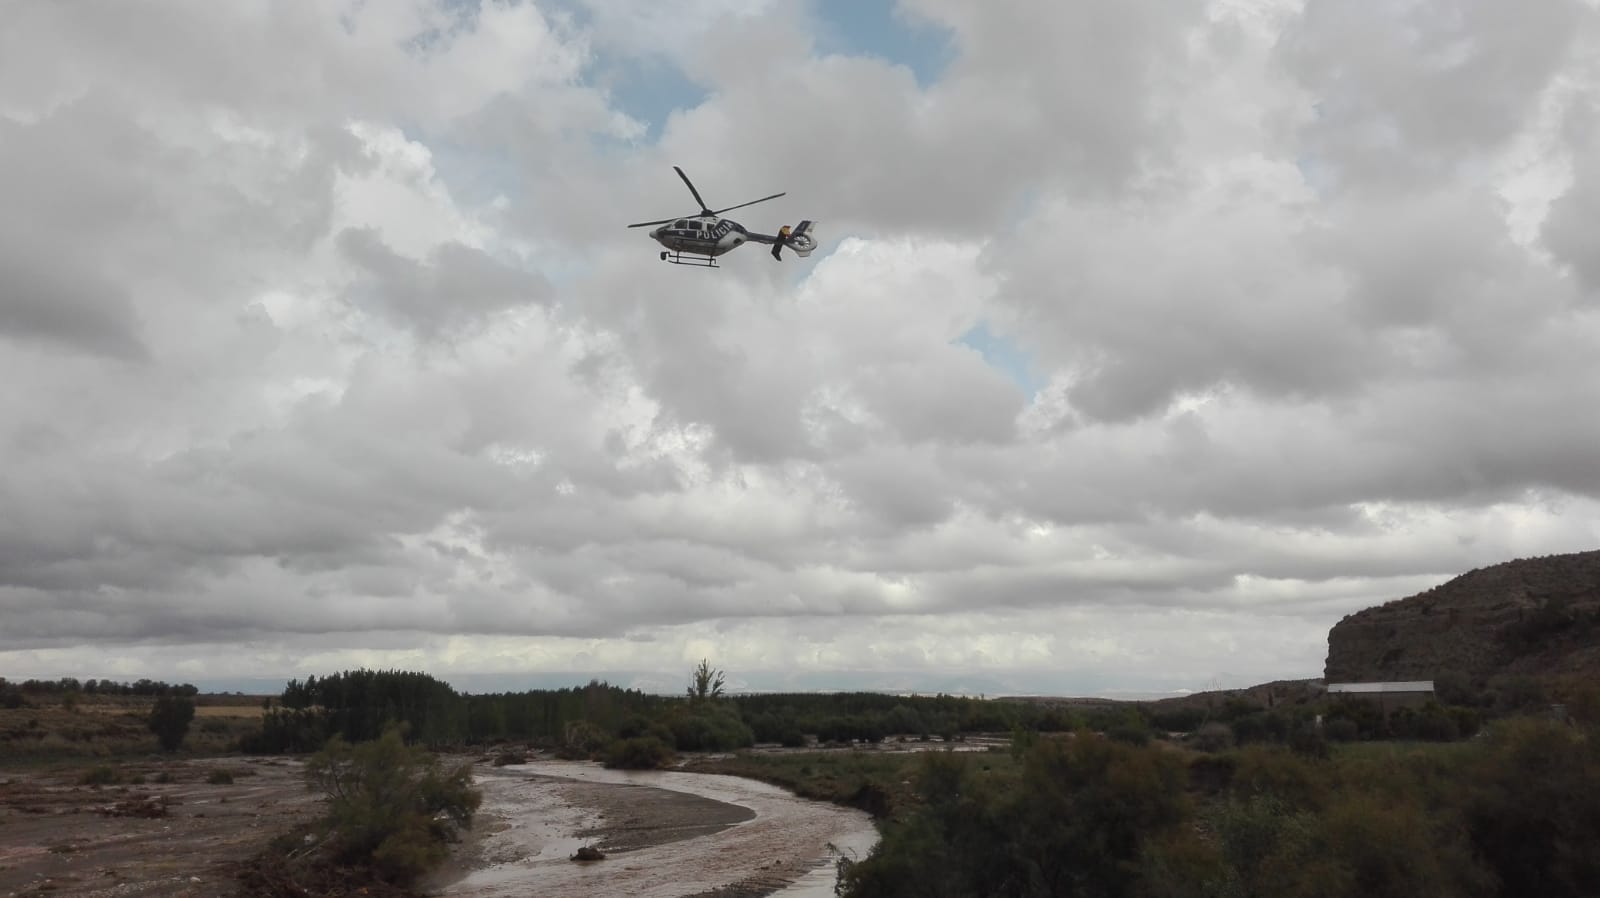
(169,720)
(706,682)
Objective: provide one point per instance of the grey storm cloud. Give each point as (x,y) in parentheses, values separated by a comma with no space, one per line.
(458,284)
(323,342)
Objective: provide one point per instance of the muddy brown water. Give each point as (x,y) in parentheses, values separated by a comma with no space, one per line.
(666,834)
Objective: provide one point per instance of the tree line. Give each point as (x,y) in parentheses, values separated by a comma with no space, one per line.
(357,704)
(97,687)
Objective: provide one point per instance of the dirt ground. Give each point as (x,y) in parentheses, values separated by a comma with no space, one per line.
(173,839)
(676,834)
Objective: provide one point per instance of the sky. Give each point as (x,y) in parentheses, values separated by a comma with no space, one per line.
(1144,340)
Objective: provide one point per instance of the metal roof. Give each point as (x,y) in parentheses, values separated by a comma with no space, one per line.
(1407,686)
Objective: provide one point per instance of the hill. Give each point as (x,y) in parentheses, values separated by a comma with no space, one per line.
(1532,616)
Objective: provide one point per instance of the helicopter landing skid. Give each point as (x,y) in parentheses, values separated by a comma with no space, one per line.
(693,260)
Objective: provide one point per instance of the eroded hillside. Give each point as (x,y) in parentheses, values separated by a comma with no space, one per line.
(1538,616)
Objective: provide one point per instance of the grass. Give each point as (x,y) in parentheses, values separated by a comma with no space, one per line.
(880,782)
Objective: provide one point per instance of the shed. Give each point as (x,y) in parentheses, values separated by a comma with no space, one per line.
(1402,694)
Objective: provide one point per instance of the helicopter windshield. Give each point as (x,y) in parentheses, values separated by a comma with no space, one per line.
(680,224)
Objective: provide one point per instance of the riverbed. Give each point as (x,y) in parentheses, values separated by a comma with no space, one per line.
(665,834)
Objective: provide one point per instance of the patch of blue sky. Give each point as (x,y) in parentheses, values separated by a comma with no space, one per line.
(474,176)
(1317,174)
(1004,355)
(874,28)
(647,89)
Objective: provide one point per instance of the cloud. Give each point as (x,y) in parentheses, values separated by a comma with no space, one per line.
(1437,83)
(461,284)
(326,343)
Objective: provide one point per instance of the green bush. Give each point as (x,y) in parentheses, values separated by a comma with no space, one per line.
(638,753)
(1531,808)
(219,777)
(391,806)
(169,720)
(708,727)
(582,741)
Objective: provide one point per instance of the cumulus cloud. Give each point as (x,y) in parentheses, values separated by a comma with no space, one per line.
(1145,341)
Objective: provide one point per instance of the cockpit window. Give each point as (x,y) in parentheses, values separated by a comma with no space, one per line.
(694,225)
(680,224)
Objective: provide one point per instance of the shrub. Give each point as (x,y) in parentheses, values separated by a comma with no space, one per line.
(1212,773)
(169,720)
(510,756)
(1531,809)
(1308,741)
(219,777)
(391,806)
(100,776)
(1341,729)
(1455,688)
(582,741)
(1130,733)
(638,753)
(1213,736)
(1260,726)
(1290,778)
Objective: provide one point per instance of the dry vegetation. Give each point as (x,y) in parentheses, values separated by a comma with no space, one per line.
(114,727)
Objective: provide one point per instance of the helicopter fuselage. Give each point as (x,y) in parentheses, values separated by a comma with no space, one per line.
(702,235)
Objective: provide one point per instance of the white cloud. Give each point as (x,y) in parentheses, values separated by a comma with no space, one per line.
(327,346)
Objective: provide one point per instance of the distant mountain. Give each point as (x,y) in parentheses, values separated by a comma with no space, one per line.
(1538,616)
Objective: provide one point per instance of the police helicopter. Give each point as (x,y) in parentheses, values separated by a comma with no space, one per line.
(699,239)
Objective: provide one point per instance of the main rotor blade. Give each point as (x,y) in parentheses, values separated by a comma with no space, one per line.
(644,224)
(703,207)
(751,203)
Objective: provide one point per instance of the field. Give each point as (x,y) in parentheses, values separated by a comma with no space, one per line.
(115,727)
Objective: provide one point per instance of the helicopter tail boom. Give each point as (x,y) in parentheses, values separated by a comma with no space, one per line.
(801,241)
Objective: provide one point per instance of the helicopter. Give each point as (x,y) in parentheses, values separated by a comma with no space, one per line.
(698,240)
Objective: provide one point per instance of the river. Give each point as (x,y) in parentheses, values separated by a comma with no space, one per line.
(677,839)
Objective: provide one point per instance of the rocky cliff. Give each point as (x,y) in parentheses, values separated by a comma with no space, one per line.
(1538,616)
